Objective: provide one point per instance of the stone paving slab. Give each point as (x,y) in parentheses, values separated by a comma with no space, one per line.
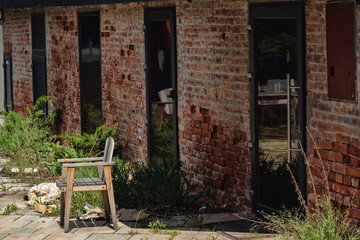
(3,235)
(103,230)
(4,223)
(60,236)
(9,218)
(109,237)
(26,236)
(17,229)
(27,218)
(149,237)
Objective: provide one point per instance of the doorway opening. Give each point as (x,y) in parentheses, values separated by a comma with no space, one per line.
(90,71)
(278,105)
(39,58)
(161,82)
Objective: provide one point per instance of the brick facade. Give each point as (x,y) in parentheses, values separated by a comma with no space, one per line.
(335,125)
(213,89)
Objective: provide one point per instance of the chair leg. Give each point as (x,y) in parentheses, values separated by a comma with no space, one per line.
(110,192)
(62,207)
(69,191)
(106,205)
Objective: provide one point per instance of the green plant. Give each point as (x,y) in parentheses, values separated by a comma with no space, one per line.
(173,233)
(23,137)
(9,209)
(4,188)
(195,218)
(324,221)
(156,185)
(92,117)
(54,212)
(157,226)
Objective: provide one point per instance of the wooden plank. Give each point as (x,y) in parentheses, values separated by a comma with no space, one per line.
(106,205)
(69,191)
(62,207)
(67,165)
(71,160)
(110,192)
(63,172)
(85,188)
(90,188)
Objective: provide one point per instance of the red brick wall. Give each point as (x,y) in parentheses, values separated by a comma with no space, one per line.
(63,65)
(213,90)
(335,125)
(123,57)
(17,41)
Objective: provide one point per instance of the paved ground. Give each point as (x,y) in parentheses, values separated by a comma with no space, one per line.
(27,224)
(31,226)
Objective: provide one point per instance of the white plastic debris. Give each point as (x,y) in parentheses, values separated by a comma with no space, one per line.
(44,193)
(203,208)
(92,213)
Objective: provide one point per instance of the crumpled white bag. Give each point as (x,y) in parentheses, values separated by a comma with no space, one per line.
(44,193)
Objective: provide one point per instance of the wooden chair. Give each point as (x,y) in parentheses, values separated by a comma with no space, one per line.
(68,184)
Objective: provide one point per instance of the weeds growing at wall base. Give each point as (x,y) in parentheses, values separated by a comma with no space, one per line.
(30,141)
(325,221)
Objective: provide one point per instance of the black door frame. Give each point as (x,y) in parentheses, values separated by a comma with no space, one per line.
(158,14)
(277,11)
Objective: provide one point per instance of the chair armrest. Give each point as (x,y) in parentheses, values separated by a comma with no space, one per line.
(70,160)
(97,164)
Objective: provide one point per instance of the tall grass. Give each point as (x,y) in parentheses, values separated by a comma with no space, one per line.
(324,221)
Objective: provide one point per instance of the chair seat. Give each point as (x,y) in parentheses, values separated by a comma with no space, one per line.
(82,184)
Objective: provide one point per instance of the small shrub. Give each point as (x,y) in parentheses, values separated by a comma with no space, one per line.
(9,209)
(157,226)
(87,144)
(157,184)
(324,221)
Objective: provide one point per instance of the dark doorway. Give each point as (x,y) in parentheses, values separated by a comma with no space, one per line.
(39,57)
(278,105)
(9,106)
(161,84)
(90,71)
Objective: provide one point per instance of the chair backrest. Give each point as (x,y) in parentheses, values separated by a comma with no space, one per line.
(108,153)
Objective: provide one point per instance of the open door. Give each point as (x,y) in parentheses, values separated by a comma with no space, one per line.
(278,105)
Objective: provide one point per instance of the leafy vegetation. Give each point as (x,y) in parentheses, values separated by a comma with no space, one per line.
(9,209)
(325,221)
(92,117)
(162,185)
(30,141)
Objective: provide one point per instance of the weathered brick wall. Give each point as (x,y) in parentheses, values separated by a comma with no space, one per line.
(123,57)
(212,85)
(17,41)
(335,125)
(213,91)
(63,65)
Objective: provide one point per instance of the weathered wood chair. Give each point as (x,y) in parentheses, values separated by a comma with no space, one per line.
(68,184)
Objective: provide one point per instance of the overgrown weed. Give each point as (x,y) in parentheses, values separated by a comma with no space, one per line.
(324,221)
